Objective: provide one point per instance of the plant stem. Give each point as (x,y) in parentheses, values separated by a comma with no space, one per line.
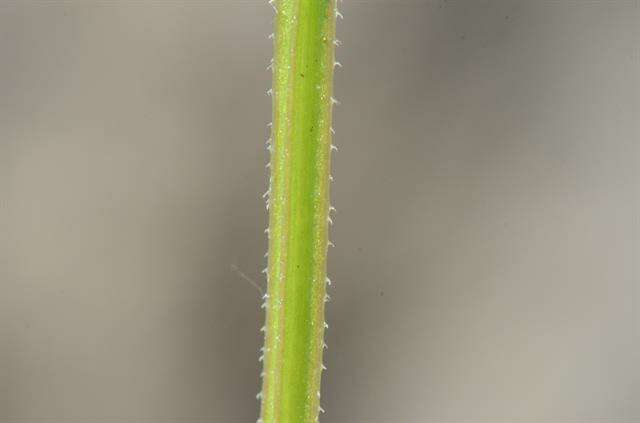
(298,209)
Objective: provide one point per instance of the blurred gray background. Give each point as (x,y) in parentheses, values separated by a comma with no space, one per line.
(486,260)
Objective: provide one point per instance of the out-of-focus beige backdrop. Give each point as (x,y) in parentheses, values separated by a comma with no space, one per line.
(487,186)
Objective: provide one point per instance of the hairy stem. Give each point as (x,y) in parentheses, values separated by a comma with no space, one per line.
(298,209)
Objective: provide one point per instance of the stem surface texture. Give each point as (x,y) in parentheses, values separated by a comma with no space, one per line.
(298,204)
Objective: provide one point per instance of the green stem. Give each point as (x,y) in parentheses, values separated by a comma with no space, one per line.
(298,209)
